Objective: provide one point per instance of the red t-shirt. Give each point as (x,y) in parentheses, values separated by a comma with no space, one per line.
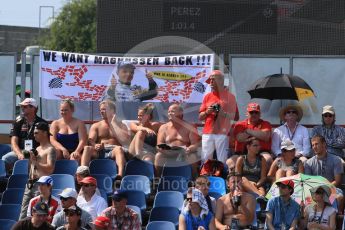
(219,124)
(241,126)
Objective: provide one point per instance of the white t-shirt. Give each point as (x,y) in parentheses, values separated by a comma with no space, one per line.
(94,206)
(315,217)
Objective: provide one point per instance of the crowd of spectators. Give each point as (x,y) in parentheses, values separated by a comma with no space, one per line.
(254,154)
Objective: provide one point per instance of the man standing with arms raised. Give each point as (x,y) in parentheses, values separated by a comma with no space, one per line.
(217,110)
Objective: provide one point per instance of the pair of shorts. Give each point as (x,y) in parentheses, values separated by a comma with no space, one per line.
(105,153)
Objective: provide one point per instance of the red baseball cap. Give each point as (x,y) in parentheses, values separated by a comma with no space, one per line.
(289,183)
(89,180)
(102,222)
(253,106)
(214,73)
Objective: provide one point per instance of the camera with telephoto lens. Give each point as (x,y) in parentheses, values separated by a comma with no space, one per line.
(236,200)
(27,153)
(216,107)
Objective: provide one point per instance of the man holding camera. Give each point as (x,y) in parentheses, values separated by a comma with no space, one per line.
(22,132)
(217,110)
(235,210)
(41,163)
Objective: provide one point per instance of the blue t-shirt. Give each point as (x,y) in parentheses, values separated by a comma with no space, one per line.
(192,223)
(282,213)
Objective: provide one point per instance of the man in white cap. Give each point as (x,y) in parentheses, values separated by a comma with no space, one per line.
(45,187)
(22,132)
(68,198)
(333,134)
(218,109)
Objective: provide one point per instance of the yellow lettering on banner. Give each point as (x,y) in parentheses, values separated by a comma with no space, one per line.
(175,76)
(303,93)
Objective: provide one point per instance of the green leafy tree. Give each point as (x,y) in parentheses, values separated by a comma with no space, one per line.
(74,29)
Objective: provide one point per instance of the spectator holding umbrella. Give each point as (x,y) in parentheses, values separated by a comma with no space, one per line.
(320,215)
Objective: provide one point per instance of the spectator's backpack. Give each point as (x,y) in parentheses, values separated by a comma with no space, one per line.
(212,168)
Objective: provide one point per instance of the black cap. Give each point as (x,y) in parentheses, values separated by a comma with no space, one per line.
(119,195)
(41,208)
(42,126)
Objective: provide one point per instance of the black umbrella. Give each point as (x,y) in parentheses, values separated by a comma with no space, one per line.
(281,86)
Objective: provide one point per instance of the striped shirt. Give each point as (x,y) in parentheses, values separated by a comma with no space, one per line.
(335,138)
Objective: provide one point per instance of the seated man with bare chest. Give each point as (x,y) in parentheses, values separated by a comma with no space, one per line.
(102,142)
(177,141)
(236,209)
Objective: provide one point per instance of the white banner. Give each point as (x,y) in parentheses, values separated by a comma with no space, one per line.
(87,77)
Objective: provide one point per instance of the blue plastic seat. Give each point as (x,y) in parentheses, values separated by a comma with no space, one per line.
(178,170)
(173,183)
(12,196)
(215,195)
(17,181)
(165,214)
(21,167)
(137,210)
(136,182)
(159,225)
(169,199)
(6,224)
(56,192)
(2,169)
(139,167)
(66,167)
(103,166)
(103,194)
(104,182)
(136,198)
(217,184)
(62,181)
(10,211)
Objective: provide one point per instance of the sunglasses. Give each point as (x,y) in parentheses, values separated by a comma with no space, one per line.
(327,115)
(320,192)
(189,199)
(87,185)
(291,112)
(204,184)
(64,198)
(254,112)
(69,213)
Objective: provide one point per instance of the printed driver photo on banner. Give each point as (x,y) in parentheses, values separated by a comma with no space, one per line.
(121,89)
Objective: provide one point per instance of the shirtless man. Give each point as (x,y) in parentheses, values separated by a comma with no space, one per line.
(41,164)
(177,133)
(236,205)
(102,143)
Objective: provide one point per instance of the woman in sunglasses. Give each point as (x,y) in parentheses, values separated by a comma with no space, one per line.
(253,168)
(286,165)
(196,215)
(320,215)
(73,215)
